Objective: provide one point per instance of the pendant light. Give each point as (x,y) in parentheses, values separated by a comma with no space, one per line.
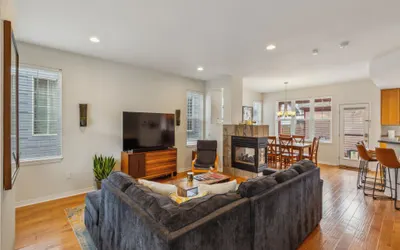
(285,113)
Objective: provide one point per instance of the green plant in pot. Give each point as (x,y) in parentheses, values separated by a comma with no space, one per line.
(102,167)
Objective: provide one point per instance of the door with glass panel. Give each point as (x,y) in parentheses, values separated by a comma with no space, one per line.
(354,127)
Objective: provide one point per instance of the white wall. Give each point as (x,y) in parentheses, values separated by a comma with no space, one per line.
(384,70)
(250,96)
(363,91)
(109,88)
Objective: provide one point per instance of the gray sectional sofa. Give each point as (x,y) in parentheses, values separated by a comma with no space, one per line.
(275,211)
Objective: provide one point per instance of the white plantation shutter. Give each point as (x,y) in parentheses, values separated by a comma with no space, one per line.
(323,118)
(40,113)
(303,118)
(257,112)
(194,117)
(354,119)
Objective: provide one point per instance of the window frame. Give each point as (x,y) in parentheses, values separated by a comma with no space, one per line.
(50,159)
(311,119)
(33,106)
(193,143)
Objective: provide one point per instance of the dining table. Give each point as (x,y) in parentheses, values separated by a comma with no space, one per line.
(298,146)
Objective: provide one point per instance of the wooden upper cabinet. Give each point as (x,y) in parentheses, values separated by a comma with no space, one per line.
(390,107)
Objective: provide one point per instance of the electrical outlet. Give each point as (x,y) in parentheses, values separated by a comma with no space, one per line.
(68,175)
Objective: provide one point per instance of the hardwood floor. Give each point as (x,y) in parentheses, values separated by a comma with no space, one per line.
(350,220)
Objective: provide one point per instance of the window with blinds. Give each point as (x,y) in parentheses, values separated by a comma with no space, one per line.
(313,118)
(302,126)
(323,118)
(194,117)
(40,117)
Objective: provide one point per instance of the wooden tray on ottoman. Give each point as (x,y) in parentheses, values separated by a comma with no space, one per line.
(187,189)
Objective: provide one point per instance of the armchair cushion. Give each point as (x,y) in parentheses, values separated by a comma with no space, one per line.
(206,152)
(203,166)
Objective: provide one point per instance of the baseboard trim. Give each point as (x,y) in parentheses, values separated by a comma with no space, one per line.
(52,197)
(328,163)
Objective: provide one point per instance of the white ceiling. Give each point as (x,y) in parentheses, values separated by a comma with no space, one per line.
(226,37)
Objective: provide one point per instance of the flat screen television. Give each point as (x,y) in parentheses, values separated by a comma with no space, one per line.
(147,131)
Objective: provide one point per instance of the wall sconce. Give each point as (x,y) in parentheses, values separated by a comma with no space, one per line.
(83,115)
(178,117)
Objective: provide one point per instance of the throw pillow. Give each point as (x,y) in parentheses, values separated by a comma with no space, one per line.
(221,188)
(161,188)
(256,186)
(180,199)
(286,175)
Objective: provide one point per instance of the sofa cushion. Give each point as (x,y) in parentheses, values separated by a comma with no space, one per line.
(269,171)
(195,209)
(172,215)
(220,188)
(161,188)
(303,166)
(285,175)
(256,186)
(93,204)
(121,180)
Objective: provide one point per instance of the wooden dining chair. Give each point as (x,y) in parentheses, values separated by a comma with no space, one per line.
(272,152)
(288,157)
(313,154)
(298,138)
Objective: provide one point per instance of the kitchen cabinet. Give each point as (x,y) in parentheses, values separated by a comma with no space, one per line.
(390,107)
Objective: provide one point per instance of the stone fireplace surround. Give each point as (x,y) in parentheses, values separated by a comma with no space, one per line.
(239,130)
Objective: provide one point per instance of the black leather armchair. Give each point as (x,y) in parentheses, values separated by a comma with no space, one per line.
(206,157)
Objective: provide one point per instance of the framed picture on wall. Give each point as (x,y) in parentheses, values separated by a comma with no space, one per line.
(247,113)
(10,107)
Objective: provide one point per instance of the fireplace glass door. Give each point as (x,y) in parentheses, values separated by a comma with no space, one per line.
(245,155)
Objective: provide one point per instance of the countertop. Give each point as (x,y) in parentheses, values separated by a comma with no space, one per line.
(387,140)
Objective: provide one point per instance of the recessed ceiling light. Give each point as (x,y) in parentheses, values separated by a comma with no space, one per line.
(315,52)
(270,47)
(344,44)
(200,68)
(94,39)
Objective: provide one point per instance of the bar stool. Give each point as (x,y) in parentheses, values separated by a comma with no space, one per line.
(362,177)
(387,158)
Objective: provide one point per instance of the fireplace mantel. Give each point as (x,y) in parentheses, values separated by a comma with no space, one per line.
(239,130)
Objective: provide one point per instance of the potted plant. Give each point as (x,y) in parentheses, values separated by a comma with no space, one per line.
(102,167)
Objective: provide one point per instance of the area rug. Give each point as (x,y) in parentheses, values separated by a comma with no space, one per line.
(75,217)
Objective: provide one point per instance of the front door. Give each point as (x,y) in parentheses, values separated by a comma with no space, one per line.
(354,127)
